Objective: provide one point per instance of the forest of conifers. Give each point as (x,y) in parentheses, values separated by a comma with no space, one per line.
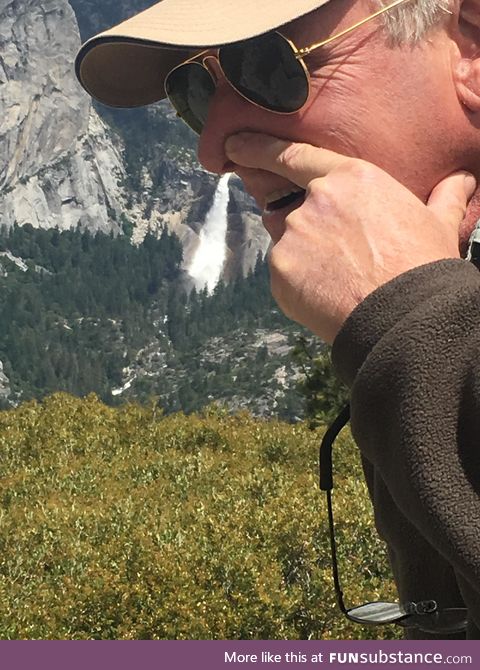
(87,304)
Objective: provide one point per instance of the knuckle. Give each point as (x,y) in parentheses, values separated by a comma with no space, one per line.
(462,206)
(291,155)
(359,169)
(291,222)
(323,194)
(316,187)
(456,207)
(457,212)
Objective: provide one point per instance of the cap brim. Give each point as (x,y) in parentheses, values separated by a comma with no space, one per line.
(126,66)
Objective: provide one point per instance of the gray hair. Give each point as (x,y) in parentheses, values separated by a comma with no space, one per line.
(412,20)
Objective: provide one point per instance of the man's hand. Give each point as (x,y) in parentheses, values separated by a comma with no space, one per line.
(357,228)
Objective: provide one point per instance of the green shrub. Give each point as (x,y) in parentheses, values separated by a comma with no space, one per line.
(120,523)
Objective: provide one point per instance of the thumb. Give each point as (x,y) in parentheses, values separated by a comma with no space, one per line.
(449,199)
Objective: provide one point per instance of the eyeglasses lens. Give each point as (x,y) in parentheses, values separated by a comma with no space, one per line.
(377,613)
(265,71)
(190,89)
(453,620)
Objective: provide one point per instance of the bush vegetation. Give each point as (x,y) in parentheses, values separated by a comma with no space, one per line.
(122,523)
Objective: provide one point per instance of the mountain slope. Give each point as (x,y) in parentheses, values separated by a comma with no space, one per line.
(85,313)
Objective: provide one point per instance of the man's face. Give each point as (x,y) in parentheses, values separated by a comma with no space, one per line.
(396,107)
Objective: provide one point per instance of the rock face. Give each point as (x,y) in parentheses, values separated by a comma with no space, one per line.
(246,236)
(4,384)
(57,164)
(62,166)
(36,93)
(94,16)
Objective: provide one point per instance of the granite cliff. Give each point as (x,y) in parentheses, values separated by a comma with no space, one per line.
(68,163)
(62,164)
(58,166)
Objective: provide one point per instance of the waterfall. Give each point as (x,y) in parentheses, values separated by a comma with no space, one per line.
(207,263)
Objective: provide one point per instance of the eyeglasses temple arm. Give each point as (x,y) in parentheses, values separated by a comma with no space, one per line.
(326,484)
(307,50)
(325,452)
(336,580)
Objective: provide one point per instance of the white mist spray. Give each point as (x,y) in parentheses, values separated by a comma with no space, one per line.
(207,263)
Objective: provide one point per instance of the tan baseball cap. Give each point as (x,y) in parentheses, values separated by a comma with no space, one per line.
(126,66)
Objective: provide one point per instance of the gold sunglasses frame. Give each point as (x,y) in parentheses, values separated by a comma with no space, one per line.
(298,53)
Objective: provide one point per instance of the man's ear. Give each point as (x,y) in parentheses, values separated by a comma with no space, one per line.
(467,69)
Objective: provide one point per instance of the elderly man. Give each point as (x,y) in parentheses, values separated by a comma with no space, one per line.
(355,127)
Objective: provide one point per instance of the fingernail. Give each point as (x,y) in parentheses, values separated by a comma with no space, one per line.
(234,143)
(470,184)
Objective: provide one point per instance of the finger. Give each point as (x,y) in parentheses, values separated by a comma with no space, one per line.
(449,198)
(299,163)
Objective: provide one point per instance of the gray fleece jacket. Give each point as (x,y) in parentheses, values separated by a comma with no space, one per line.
(411,354)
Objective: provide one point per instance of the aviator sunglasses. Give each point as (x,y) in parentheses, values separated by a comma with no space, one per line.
(268,71)
(424,615)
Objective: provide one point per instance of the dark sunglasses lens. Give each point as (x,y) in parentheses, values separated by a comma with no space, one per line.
(377,613)
(190,89)
(265,71)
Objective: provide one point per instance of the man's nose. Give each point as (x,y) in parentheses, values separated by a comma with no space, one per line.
(228,113)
